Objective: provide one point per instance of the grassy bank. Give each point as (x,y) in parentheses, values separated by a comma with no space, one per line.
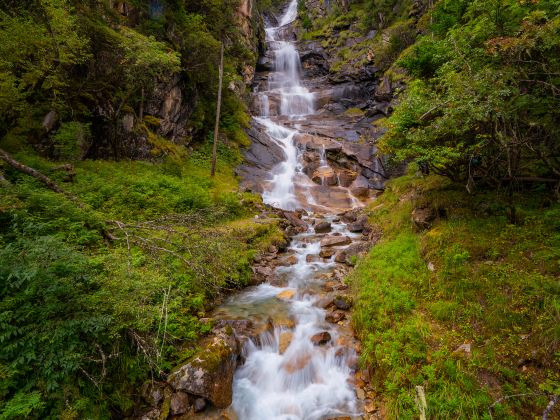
(471,280)
(96,300)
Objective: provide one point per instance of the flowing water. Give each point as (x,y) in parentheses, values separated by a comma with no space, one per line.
(285,376)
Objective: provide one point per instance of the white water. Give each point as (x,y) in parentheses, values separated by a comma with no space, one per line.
(306,381)
(295,102)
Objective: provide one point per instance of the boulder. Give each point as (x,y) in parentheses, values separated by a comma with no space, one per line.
(423,217)
(179,403)
(209,373)
(343,302)
(323,227)
(335,241)
(321,338)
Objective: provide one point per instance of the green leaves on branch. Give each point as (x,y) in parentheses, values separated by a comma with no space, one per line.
(487,91)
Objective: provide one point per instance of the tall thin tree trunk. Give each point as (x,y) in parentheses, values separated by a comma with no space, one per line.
(218,108)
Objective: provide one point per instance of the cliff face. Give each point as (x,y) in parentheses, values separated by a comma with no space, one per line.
(172,106)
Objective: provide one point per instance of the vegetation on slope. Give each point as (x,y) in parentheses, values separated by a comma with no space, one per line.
(95,300)
(479,108)
(102,287)
(469,309)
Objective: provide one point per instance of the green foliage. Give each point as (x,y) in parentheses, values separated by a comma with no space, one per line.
(81,320)
(492,66)
(491,284)
(71,140)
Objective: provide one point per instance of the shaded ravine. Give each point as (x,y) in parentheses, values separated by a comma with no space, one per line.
(301,365)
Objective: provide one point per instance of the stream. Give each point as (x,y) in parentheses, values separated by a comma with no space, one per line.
(302,367)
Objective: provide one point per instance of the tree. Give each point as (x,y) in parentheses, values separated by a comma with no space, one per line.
(218,108)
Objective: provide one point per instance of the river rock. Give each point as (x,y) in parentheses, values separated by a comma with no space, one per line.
(323,227)
(334,317)
(285,340)
(286,294)
(321,338)
(209,373)
(335,241)
(327,252)
(343,302)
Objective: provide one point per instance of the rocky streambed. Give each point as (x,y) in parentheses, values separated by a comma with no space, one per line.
(285,347)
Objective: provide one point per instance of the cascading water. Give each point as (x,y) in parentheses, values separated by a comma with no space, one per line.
(285,375)
(295,101)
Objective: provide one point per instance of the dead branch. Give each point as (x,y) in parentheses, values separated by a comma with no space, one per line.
(45,180)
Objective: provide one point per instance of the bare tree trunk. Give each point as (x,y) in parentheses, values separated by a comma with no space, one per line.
(218,110)
(49,183)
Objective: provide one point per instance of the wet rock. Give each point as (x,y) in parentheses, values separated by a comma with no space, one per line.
(179,403)
(335,241)
(359,225)
(286,294)
(321,338)
(327,253)
(323,227)
(297,363)
(312,258)
(346,178)
(334,317)
(325,302)
(423,217)
(343,302)
(284,342)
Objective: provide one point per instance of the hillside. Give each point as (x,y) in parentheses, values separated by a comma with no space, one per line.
(389,169)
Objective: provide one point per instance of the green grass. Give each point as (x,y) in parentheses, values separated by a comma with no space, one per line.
(494,285)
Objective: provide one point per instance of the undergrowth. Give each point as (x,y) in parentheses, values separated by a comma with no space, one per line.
(472,279)
(94,300)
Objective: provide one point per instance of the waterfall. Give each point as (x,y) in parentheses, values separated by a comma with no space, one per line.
(299,380)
